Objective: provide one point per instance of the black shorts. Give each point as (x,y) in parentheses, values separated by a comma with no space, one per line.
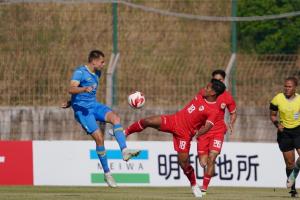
(289,139)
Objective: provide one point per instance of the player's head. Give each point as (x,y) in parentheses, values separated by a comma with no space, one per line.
(290,85)
(218,86)
(214,88)
(96,59)
(219,74)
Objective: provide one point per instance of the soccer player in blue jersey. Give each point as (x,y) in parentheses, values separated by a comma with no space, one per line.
(88,111)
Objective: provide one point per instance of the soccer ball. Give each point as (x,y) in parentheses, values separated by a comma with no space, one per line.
(136,100)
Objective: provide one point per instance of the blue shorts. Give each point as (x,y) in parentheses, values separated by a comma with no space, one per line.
(88,117)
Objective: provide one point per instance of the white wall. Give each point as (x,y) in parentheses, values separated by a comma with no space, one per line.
(240,164)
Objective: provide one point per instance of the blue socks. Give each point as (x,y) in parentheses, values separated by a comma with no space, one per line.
(119,135)
(102,157)
(121,139)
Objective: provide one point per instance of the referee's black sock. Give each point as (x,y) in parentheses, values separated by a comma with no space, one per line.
(288,172)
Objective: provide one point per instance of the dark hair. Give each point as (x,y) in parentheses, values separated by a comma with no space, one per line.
(219,71)
(293,79)
(218,86)
(95,54)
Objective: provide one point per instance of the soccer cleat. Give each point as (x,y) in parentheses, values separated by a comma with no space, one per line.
(109,179)
(111,132)
(293,193)
(291,180)
(197,191)
(129,153)
(203,191)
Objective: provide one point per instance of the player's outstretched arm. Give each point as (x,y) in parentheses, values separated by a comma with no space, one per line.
(66,104)
(233,117)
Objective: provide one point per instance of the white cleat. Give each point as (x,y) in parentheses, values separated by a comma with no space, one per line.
(109,179)
(197,191)
(129,153)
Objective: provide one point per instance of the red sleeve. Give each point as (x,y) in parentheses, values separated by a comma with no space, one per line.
(231,104)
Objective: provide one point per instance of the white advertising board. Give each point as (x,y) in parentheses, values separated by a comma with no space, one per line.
(76,163)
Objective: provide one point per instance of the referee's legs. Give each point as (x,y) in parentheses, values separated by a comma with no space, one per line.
(289,158)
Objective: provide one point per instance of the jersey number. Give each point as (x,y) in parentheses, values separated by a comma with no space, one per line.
(191,108)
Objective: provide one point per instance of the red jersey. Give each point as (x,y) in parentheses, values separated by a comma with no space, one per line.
(225,100)
(195,114)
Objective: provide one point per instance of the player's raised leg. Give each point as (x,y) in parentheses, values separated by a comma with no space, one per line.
(138,126)
(118,130)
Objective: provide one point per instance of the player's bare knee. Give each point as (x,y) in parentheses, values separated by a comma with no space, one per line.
(203,164)
(290,165)
(183,162)
(210,161)
(146,122)
(213,156)
(149,122)
(113,118)
(98,137)
(202,160)
(116,119)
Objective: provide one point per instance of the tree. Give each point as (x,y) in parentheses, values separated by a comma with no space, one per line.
(271,36)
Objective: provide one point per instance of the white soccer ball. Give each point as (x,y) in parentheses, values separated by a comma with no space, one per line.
(136,100)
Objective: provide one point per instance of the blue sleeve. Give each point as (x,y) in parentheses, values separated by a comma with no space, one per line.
(77,75)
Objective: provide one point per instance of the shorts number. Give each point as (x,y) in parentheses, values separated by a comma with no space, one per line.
(217,144)
(182,144)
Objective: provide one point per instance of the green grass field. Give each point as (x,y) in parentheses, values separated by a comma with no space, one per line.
(137,193)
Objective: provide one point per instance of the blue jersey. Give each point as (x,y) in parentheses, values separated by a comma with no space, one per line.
(85,78)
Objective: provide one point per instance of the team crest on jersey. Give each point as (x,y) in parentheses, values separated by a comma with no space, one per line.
(201,108)
(223,106)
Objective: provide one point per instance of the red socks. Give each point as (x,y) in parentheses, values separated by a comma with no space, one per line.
(206,180)
(135,127)
(190,174)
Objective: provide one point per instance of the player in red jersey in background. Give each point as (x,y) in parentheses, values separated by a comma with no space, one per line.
(195,119)
(209,145)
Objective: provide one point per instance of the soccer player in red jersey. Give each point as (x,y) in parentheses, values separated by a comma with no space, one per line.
(209,145)
(195,119)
